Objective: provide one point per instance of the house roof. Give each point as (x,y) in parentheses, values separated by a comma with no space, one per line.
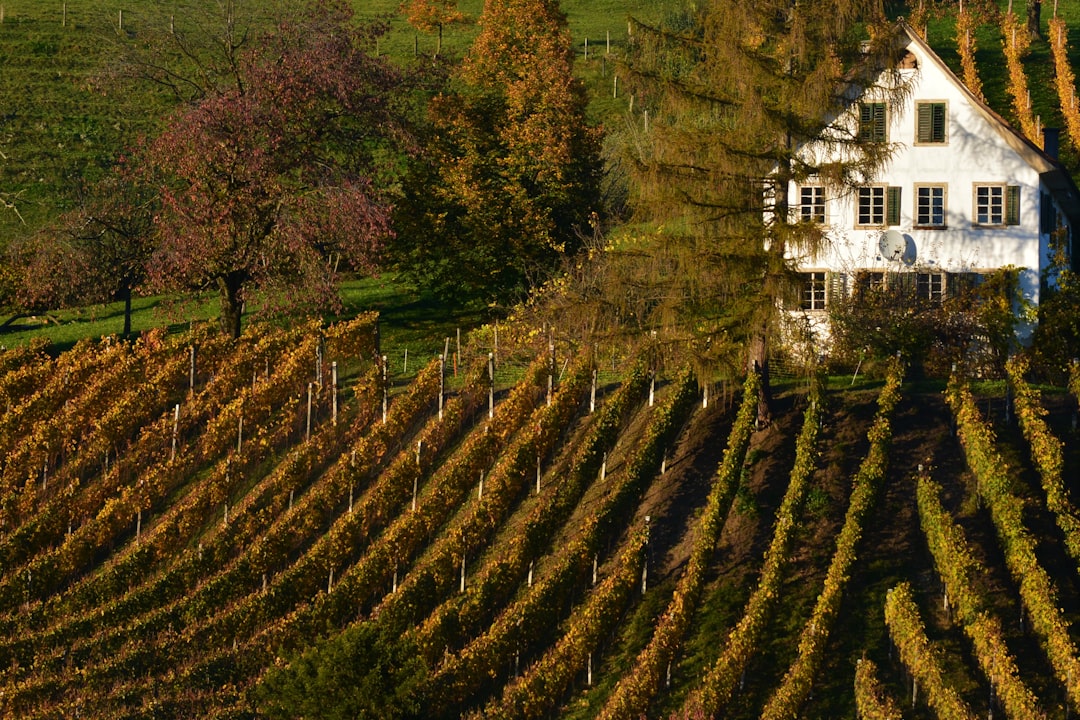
(1051,172)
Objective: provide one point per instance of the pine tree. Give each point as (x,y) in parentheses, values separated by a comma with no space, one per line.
(745,101)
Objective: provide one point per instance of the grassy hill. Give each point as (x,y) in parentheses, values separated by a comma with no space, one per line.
(62,123)
(166,543)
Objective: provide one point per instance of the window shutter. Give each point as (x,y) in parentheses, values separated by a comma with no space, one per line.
(926,123)
(1047,214)
(892,207)
(1012,205)
(836,286)
(937,122)
(872,122)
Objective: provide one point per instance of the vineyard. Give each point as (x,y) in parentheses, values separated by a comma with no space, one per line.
(553,534)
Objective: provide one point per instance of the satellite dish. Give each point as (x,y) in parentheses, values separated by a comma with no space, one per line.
(892,245)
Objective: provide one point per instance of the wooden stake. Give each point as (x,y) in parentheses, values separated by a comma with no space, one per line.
(385,389)
(175,430)
(592,394)
(310,389)
(334,389)
(491,386)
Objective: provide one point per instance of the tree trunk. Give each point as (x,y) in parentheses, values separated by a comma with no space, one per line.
(759,363)
(126,294)
(231,305)
(1034,11)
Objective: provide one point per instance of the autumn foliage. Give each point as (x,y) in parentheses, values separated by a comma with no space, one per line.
(512,175)
(268,185)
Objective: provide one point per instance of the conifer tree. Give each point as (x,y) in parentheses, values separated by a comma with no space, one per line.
(513,168)
(747,100)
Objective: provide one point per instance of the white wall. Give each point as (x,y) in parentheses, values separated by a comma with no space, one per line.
(975,152)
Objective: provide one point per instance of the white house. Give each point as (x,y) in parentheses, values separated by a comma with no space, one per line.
(963,194)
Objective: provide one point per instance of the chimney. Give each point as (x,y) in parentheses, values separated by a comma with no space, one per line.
(1051,141)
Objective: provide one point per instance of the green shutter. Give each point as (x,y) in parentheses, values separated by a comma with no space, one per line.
(835,288)
(892,206)
(937,129)
(879,122)
(930,123)
(1012,205)
(926,123)
(872,122)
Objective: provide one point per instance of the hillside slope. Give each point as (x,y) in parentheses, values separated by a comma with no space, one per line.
(528,551)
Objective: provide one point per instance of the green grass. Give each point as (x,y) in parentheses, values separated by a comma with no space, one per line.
(61,124)
(407,320)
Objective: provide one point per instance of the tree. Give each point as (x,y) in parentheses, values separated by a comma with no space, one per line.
(745,100)
(513,170)
(432,16)
(97,253)
(268,184)
(364,672)
(1034,19)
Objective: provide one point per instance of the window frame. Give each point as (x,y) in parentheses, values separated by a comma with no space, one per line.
(924,286)
(890,206)
(813,290)
(870,281)
(1010,204)
(816,211)
(919,221)
(872,214)
(930,105)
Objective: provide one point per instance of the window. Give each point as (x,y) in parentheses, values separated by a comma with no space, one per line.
(997,205)
(930,123)
(868,281)
(812,204)
(930,286)
(813,294)
(872,122)
(930,206)
(877,206)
